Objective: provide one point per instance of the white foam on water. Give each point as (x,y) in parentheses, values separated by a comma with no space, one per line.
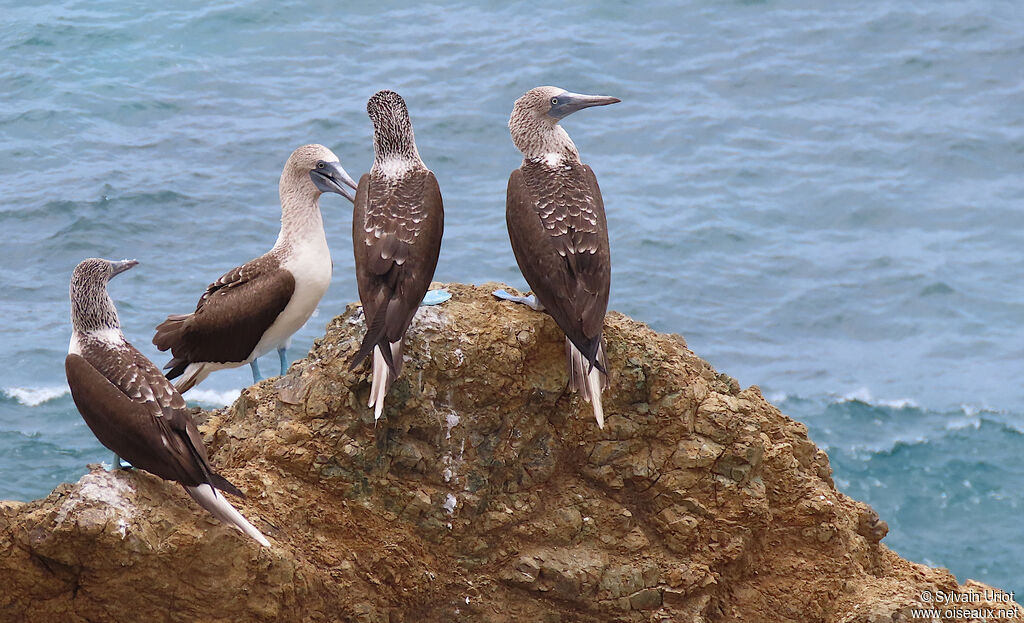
(35,396)
(970,410)
(212,397)
(864,395)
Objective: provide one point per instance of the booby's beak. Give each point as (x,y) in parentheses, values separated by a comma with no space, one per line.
(332,178)
(566,103)
(116,268)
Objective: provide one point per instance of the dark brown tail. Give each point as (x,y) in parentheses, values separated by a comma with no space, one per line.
(375,336)
(168,332)
(168,335)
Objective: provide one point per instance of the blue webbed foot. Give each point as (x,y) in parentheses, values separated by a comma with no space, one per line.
(256,376)
(436,297)
(530,301)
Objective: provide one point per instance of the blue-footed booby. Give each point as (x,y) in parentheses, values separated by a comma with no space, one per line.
(256,307)
(556,222)
(129,405)
(396,235)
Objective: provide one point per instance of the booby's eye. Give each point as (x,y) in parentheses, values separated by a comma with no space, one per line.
(554,101)
(320,164)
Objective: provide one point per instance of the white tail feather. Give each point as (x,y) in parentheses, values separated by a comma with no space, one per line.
(594,385)
(381,378)
(196,373)
(212,500)
(588,381)
(193,375)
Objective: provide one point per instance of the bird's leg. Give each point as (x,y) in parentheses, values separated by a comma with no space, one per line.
(256,376)
(118,465)
(530,301)
(284,360)
(436,297)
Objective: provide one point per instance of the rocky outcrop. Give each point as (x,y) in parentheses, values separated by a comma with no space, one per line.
(485,493)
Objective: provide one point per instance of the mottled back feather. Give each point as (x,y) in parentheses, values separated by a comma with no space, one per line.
(134,411)
(231,315)
(557,227)
(396,233)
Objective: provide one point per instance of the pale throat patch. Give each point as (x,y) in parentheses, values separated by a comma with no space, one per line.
(553,159)
(111,337)
(108,336)
(394,167)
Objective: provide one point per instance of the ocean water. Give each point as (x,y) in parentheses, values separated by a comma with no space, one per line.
(826,199)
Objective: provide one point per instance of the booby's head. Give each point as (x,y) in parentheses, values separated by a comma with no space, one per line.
(91,307)
(535,117)
(315,169)
(392,129)
(556,103)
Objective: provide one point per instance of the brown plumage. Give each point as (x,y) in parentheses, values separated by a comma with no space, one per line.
(230,317)
(397,224)
(559,235)
(256,307)
(556,223)
(129,405)
(121,397)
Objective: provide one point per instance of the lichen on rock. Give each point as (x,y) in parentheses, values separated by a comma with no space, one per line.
(486,492)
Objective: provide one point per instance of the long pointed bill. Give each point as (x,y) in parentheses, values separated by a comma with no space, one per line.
(569,103)
(333,178)
(121,266)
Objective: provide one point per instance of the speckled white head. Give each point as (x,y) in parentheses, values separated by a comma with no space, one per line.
(312,170)
(534,121)
(92,310)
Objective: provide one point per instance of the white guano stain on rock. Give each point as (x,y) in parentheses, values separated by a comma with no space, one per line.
(102,489)
(432,318)
(451,420)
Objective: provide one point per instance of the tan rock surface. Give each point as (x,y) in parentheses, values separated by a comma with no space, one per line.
(485,493)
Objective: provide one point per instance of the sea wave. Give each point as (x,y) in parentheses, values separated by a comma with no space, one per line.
(865,396)
(861,426)
(38,396)
(35,396)
(213,397)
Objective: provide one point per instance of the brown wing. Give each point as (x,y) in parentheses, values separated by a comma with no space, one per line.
(231,316)
(559,235)
(593,263)
(396,236)
(134,411)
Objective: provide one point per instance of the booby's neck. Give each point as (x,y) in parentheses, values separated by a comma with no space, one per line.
(301,221)
(542,140)
(394,148)
(93,312)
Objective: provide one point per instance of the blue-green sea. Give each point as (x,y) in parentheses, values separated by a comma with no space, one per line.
(825,199)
